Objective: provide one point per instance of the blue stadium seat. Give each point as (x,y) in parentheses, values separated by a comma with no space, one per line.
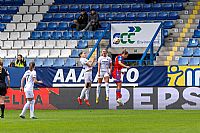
(75,53)
(178,6)
(107,35)
(48,62)
(6,62)
(53,9)
(196,52)
(88,35)
(167,6)
(68,17)
(97,34)
(82,44)
(173,15)
(116,8)
(47,17)
(77,35)
(168,24)
(196,34)
(188,52)
(67,35)
(86,7)
(120,16)
(52,26)
(110,16)
(126,8)
(95,7)
(70,62)
(146,7)
(130,16)
(105,8)
(77,15)
(28,61)
(136,7)
(183,61)
(156,7)
(152,16)
(194,62)
(6,19)
(64,8)
(59,62)
(102,17)
(56,35)
(193,43)
(2,27)
(165,33)
(12,9)
(46,35)
(39,62)
(103,25)
(41,27)
(62,26)
(58,17)
(74,8)
(35,35)
(3,10)
(162,16)
(141,16)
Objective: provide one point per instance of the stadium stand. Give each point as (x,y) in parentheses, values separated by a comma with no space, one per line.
(41,29)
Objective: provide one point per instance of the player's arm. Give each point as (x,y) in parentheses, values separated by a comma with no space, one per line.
(110,67)
(8,79)
(22,84)
(90,64)
(36,81)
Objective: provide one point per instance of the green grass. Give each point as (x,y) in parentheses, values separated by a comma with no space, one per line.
(105,121)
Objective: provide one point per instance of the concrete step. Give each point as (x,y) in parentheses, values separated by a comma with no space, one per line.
(183,21)
(179,30)
(171,44)
(161,63)
(163,49)
(176,34)
(167,53)
(193,26)
(164,58)
(187,16)
(172,39)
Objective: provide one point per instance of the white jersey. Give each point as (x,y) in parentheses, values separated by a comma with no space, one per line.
(29,75)
(104,63)
(85,66)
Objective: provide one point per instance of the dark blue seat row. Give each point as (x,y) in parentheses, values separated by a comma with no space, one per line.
(193,43)
(116,16)
(189,52)
(189,61)
(8,9)
(11,2)
(117,8)
(2,27)
(67,35)
(196,33)
(5,18)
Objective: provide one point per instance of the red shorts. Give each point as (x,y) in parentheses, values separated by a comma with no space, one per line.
(116,74)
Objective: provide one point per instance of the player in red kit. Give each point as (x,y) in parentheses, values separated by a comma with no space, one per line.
(116,74)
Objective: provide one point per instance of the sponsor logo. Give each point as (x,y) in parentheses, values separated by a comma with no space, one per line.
(126,37)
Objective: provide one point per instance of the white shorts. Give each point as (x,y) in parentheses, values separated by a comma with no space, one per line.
(29,94)
(88,77)
(103,74)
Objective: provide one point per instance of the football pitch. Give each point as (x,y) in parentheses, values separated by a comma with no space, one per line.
(103,121)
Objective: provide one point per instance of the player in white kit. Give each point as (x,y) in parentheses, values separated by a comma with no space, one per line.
(104,71)
(30,77)
(87,66)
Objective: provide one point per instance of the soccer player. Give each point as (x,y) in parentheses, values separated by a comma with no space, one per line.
(104,68)
(30,77)
(3,88)
(119,64)
(87,65)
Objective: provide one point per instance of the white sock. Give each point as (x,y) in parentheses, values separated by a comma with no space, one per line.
(83,93)
(98,90)
(25,108)
(32,108)
(107,89)
(87,94)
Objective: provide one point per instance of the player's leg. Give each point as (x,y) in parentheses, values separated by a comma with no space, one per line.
(118,93)
(98,90)
(86,100)
(80,98)
(106,79)
(32,108)
(2,106)
(26,106)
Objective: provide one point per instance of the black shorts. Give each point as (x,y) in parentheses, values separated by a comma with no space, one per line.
(3,89)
